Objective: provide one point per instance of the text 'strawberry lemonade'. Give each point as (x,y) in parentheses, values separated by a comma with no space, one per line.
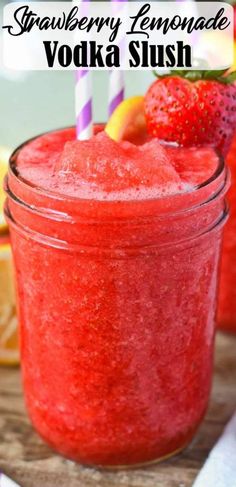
(116,251)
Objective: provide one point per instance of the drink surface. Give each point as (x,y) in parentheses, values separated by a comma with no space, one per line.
(103,169)
(116,308)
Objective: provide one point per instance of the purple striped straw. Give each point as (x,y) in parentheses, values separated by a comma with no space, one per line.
(116,78)
(83,104)
(83,98)
(116,90)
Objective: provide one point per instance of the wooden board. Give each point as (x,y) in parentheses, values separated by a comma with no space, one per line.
(27,460)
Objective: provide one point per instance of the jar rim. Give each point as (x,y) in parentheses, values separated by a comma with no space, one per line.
(120,252)
(114,222)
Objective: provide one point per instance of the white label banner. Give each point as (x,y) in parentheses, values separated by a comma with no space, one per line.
(118,35)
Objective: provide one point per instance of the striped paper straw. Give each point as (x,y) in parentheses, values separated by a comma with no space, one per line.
(83,104)
(116,78)
(116,90)
(6,482)
(83,98)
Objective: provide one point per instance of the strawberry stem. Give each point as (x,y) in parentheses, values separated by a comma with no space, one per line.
(195,75)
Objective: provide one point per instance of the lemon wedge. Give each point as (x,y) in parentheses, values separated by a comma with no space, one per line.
(9,352)
(234,65)
(128,121)
(4,156)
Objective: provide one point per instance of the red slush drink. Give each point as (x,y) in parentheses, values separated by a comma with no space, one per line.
(116,251)
(227,294)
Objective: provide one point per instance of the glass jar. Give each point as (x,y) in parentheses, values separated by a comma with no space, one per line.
(227,293)
(117,307)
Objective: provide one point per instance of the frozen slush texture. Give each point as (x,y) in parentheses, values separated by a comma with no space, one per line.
(117,293)
(104,169)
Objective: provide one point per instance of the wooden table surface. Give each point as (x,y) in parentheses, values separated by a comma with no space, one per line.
(27,460)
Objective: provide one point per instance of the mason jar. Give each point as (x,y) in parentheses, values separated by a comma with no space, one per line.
(117,304)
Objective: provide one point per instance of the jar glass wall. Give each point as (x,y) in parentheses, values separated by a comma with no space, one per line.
(117,307)
(227,293)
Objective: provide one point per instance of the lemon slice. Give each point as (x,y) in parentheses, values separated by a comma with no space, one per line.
(128,121)
(9,353)
(4,156)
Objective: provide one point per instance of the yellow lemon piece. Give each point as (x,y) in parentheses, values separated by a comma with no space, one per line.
(234,65)
(128,121)
(9,352)
(4,156)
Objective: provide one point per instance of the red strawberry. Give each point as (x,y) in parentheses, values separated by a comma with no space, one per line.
(193,108)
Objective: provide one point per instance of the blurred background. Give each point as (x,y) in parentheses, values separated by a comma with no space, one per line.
(37,101)
(32,103)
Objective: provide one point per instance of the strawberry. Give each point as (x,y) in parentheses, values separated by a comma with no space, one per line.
(193,108)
